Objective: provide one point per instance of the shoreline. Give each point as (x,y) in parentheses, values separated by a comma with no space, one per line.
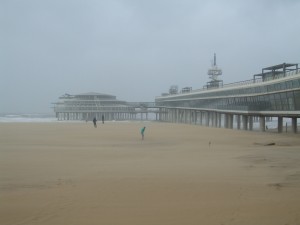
(272,129)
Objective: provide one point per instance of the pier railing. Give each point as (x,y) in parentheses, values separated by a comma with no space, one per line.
(141,104)
(243,83)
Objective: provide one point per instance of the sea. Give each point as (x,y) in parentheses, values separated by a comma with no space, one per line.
(27,118)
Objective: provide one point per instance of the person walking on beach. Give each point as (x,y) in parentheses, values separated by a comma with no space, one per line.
(95,122)
(103,119)
(142,132)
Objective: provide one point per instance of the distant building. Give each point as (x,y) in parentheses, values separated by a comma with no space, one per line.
(89,105)
(186,90)
(173,90)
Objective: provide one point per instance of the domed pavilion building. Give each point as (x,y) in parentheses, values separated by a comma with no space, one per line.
(91,105)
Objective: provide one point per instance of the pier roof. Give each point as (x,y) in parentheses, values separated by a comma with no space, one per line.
(280,66)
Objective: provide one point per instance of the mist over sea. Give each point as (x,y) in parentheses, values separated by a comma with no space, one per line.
(27,118)
(41,118)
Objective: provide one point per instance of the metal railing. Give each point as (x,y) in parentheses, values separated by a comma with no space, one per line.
(242,83)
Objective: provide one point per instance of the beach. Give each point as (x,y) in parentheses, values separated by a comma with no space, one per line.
(72,173)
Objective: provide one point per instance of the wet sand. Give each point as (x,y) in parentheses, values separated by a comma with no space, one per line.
(73,173)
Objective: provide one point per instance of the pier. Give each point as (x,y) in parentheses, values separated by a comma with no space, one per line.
(275,93)
(91,105)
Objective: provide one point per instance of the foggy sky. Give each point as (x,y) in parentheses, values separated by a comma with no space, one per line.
(135,49)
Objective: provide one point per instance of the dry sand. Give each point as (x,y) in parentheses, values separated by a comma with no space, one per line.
(73,173)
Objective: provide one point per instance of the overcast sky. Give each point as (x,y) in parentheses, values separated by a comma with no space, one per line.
(136,49)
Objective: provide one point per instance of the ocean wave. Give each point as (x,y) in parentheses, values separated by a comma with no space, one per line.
(26,118)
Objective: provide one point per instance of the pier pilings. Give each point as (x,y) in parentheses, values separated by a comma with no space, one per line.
(229,120)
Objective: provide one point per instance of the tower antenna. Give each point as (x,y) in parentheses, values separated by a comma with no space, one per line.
(214,72)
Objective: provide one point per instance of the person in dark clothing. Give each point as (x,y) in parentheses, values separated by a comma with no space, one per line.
(95,122)
(103,119)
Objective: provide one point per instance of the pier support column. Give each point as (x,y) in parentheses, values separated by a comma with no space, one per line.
(215,119)
(160,114)
(207,119)
(201,118)
(212,115)
(219,120)
(245,122)
(262,123)
(294,124)
(250,122)
(238,121)
(280,124)
(230,120)
(226,122)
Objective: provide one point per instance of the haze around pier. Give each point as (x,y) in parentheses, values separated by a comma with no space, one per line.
(135,49)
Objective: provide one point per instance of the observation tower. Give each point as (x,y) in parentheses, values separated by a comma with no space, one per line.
(214,72)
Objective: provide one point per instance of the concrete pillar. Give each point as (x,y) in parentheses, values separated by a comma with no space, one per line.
(294,124)
(159,114)
(219,120)
(262,123)
(207,119)
(174,115)
(280,124)
(250,122)
(214,119)
(194,117)
(185,116)
(225,120)
(238,121)
(200,118)
(230,120)
(245,122)
(168,115)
